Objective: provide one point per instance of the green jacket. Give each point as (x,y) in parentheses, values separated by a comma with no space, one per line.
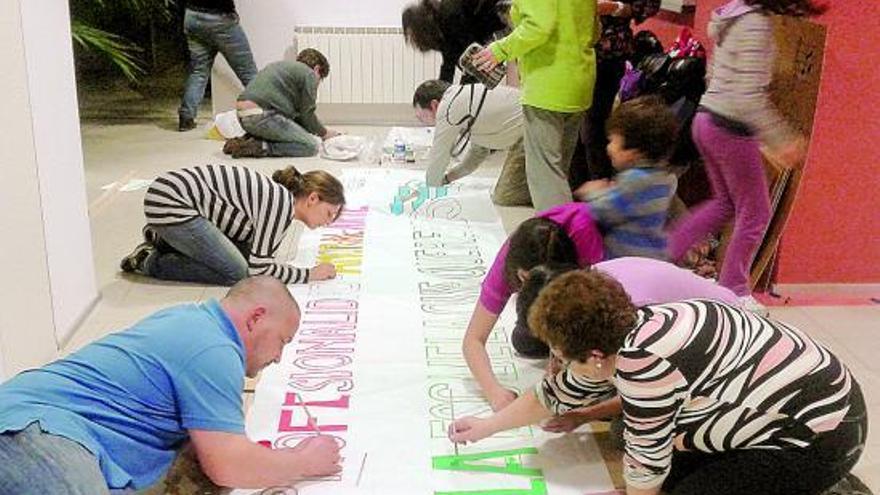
(553,43)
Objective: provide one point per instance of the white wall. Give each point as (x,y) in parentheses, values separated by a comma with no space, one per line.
(269,26)
(269,23)
(51,77)
(45,253)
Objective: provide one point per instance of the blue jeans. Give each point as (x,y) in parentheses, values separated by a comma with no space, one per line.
(199,253)
(207,34)
(283,136)
(35,462)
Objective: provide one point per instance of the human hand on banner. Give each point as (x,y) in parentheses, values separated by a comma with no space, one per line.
(468,429)
(318,456)
(322,271)
(501,399)
(565,423)
(331,133)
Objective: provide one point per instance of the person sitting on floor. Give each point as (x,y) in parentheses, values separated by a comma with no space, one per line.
(715,399)
(217,224)
(113,415)
(497,126)
(277,109)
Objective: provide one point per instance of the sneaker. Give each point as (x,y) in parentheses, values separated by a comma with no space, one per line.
(185,124)
(150,235)
(752,304)
(232,145)
(245,147)
(134,262)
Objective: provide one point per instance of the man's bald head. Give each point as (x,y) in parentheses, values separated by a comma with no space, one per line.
(266,316)
(263,290)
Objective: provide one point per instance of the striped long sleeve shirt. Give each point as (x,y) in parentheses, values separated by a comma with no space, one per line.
(246,206)
(632,213)
(741,71)
(701,375)
(704,376)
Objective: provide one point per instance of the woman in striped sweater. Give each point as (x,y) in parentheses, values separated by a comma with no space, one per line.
(715,399)
(217,224)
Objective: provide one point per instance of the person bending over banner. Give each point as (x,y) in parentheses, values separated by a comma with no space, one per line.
(562,236)
(715,399)
(217,224)
(488,120)
(112,415)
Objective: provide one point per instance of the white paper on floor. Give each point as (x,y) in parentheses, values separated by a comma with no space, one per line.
(378,354)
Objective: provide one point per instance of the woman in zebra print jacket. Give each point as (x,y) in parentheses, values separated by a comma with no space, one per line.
(716,400)
(217,224)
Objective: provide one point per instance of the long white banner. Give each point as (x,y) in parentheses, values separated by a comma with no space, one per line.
(377,359)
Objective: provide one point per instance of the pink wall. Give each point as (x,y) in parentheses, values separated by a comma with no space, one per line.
(833,235)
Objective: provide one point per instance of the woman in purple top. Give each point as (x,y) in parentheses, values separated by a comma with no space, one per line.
(563,234)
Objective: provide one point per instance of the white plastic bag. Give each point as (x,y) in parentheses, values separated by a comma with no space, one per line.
(227,125)
(342,148)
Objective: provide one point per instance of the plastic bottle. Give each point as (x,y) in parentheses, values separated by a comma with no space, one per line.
(410,153)
(399,153)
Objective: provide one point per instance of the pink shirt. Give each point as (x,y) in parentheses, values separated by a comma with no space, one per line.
(650,281)
(646,280)
(576,220)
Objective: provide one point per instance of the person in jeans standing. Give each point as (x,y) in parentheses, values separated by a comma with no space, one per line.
(211,26)
(553,44)
(218,224)
(277,109)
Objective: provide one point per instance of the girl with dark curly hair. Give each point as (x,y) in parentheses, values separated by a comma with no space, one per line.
(715,399)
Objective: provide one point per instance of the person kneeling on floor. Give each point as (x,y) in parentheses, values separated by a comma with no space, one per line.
(715,399)
(277,109)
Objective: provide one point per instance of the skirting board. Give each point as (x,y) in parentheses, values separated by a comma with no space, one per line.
(390,114)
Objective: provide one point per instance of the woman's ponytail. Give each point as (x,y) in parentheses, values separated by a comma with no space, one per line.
(291,179)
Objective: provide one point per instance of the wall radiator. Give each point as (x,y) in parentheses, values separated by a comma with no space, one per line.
(368,64)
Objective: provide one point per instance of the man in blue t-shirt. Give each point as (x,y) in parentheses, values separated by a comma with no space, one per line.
(114,414)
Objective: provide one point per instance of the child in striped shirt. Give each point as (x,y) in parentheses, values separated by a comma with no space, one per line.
(631,211)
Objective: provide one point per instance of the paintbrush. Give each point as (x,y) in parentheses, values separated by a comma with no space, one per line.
(452,413)
(311,418)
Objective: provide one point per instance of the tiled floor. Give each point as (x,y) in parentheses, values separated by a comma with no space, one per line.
(139,151)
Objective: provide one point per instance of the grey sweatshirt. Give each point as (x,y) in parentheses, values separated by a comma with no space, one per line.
(741,70)
(289,87)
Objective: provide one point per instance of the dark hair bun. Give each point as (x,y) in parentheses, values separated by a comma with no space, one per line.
(289,177)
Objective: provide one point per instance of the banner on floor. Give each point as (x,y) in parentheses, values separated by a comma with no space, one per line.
(377,359)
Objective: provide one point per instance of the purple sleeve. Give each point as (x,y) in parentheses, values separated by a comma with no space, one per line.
(587,239)
(495,291)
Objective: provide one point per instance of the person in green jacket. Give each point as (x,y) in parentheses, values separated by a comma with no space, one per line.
(552,41)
